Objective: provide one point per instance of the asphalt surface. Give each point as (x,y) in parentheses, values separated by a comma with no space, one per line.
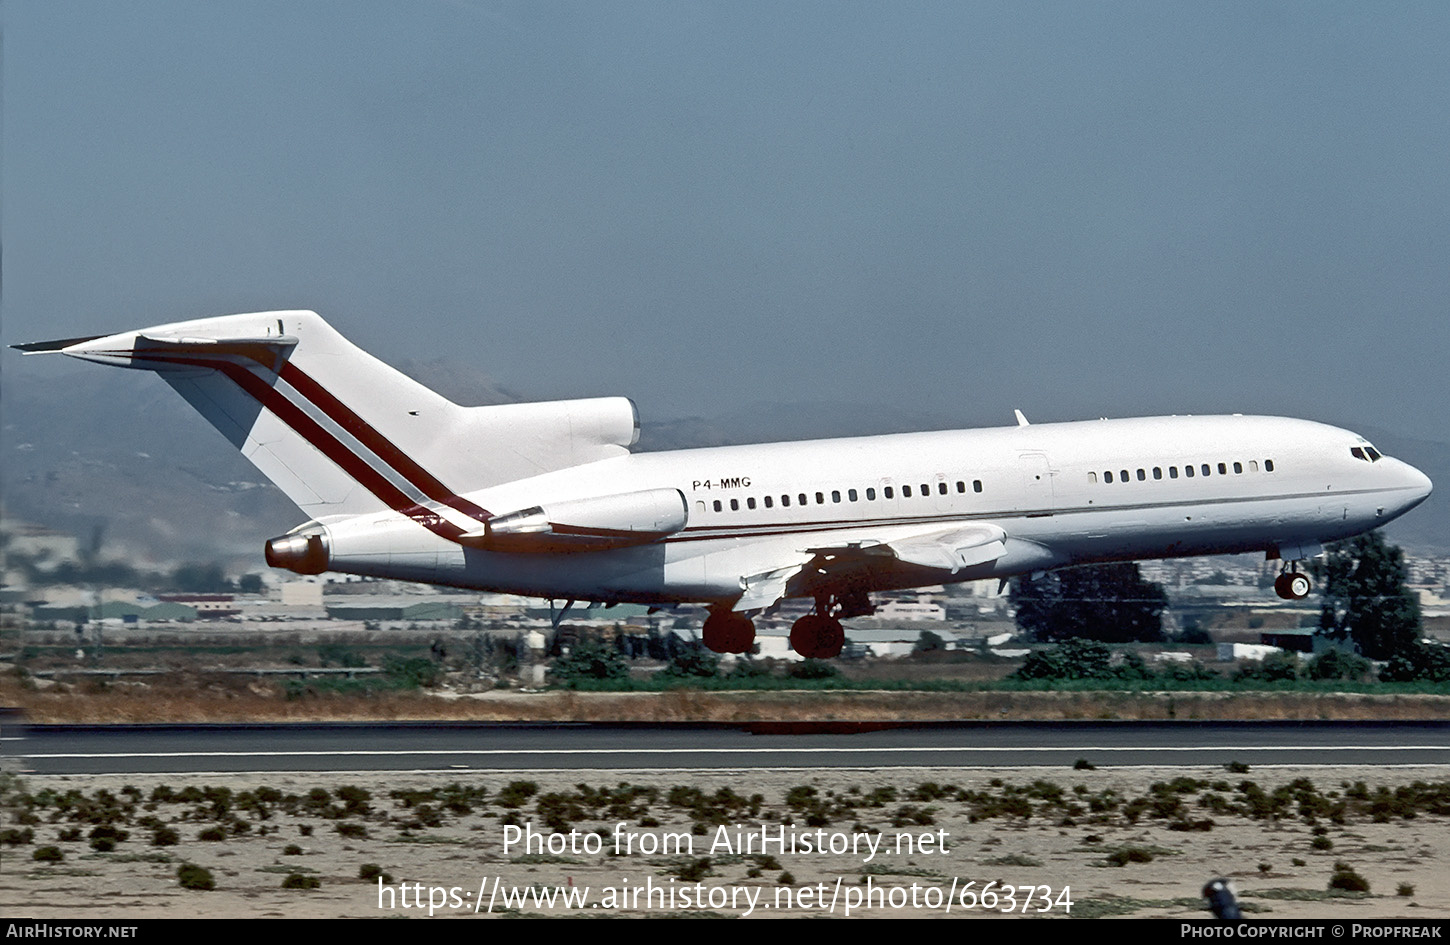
(139,749)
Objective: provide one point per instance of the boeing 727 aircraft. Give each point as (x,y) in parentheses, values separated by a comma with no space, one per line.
(545,499)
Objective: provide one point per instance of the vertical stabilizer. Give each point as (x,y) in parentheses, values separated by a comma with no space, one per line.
(342,433)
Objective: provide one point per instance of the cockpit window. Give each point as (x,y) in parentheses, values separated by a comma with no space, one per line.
(1367,453)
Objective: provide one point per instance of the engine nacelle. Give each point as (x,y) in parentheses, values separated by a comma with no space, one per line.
(596,523)
(305,552)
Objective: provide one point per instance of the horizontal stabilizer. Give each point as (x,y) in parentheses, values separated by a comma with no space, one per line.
(53,347)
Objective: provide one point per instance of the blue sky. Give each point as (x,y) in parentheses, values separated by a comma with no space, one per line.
(1081,210)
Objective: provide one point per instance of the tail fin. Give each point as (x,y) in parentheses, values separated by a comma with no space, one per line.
(342,433)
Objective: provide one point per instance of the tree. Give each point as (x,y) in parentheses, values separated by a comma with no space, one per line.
(1365,597)
(1108,602)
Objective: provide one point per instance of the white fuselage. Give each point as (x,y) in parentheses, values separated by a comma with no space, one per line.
(1064,493)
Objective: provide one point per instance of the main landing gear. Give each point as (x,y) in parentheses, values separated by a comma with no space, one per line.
(819,635)
(1292,584)
(728,632)
(816,637)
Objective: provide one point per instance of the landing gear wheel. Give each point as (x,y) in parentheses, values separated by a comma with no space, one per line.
(1292,585)
(729,633)
(817,637)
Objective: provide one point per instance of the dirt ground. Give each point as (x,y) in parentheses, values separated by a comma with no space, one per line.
(463,864)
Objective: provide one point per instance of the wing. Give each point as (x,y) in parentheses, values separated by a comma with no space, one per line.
(950,550)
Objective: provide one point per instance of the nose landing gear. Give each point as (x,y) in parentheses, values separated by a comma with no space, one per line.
(1292,584)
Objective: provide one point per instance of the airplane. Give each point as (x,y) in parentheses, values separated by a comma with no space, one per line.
(546,499)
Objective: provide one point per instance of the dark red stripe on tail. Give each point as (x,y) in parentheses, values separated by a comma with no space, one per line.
(329,445)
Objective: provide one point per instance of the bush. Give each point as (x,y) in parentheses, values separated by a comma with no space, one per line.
(291,849)
(813,669)
(49,854)
(1419,663)
(1346,879)
(693,662)
(369,872)
(1071,659)
(298,881)
(192,876)
(1337,664)
(165,837)
(589,658)
(1276,667)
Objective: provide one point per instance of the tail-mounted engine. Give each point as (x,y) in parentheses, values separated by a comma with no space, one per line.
(593,524)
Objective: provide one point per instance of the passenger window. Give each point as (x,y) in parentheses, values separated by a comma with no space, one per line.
(925,489)
(1092,477)
(1172,472)
(851,494)
(769,502)
(1123,475)
(717,505)
(820,498)
(888,492)
(803,499)
(750,503)
(1253,465)
(1206,470)
(1142,475)
(1268,465)
(735,505)
(961,487)
(1188,471)
(870,495)
(835,495)
(1238,468)
(906,492)
(976,485)
(1222,469)
(1108,476)
(941,488)
(785,501)
(1157,472)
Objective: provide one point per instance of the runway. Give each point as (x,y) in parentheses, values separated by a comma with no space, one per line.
(141,749)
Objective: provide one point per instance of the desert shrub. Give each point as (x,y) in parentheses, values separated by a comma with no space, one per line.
(165,837)
(1345,879)
(291,849)
(369,872)
(191,876)
(352,831)
(47,854)
(299,881)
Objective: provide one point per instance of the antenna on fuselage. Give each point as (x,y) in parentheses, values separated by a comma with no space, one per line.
(1021,420)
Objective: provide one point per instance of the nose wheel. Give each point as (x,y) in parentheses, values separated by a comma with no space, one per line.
(1293,585)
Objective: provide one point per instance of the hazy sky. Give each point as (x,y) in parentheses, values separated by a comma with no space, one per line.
(1079,209)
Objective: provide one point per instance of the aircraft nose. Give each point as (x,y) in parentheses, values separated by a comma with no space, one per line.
(1417,485)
